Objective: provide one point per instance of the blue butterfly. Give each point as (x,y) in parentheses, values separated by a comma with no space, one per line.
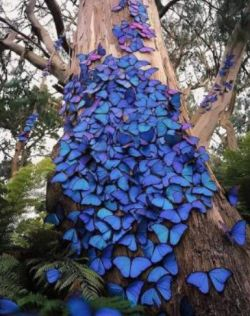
(163,287)
(8,307)
(73,216)
(53,275)
(218,277)
(208,182)
(101,264)
(132,292)
(173,235)
(71,235)
(53,219)
(129,240)
(109,218)
(97,241)
(233,196)
(156,252)
(238,233)
(78,307)
(131,267)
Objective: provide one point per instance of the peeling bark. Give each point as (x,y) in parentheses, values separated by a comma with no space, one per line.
(204,246)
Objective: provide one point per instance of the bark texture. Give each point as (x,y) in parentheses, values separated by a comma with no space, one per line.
(204,246)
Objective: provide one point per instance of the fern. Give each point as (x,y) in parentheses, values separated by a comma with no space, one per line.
(41,303)
(12,279)
(76,276)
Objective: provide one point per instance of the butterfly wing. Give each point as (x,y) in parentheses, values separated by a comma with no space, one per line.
(176,233)
(129,241)
(170,264)
(171,216)
(156,274)
(151,298)
(98,266)
(233,195)
(238,232)
(160,251)
(123,264)
(133,291)
(53,275)
(219,278)
(161,232)
(199,280)
(164,287)
(8,307)
(184,211)
(139,265)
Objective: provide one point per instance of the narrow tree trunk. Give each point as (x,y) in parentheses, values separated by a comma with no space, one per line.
(207,121)
(204,246)
(16,158)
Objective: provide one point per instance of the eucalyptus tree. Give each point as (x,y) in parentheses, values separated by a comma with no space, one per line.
(206,245)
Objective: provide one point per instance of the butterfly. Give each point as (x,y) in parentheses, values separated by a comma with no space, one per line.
(129,240)
(132,291)
(233,195)
(237,234)
(156,252)
(163,287)
(8,307)
(218,277)
(53,275)
(71,235)
(53,219)
(131,267)
(172,235)
(103,263)
(76,306)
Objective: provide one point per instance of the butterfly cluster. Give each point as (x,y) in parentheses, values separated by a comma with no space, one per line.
(131,35)
(29,125)
(125,158)
(228,63)
(217,91)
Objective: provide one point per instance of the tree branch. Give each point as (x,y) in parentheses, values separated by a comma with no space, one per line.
(13,28)
(56,13)
(34,59)
(164,9)
(39,30)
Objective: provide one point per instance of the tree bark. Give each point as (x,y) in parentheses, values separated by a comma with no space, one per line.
(204,246)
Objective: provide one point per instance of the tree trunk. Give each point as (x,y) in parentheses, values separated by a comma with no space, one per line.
(16,158)
(204,246)
(205,122)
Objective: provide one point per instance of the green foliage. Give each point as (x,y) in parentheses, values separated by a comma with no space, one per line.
(46,306)
(11,277)
(22,196)
(26,189)
(117,303)
(235,170)
(18,100)
(75,276)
